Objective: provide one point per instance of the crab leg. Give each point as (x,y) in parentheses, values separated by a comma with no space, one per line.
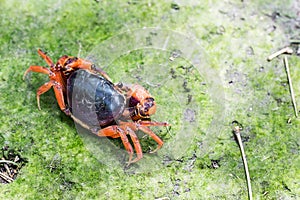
(38,69)
(115,132)
(58,94)
(126,143)
(150,123)
(60,97)
(45,57)
(142,125)
(83,64)
(136,144)
(44,88)
(153,136)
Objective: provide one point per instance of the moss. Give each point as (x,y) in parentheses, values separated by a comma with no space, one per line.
(200,159)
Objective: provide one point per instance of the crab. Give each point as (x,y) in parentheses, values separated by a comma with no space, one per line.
(87,94)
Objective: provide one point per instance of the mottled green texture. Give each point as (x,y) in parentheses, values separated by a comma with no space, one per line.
(236,36)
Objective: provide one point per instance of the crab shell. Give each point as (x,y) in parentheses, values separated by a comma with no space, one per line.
(93,99)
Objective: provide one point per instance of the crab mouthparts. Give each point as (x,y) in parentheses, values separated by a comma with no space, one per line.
(141,112)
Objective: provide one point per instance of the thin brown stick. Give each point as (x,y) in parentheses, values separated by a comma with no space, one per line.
(295,41)
(6,178)
(9,162)
(7,170)
(236,129)
(286,50)
(287,69)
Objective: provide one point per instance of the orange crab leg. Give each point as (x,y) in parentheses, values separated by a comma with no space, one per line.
(126,143)
(142,125)
(79,64)
(44,88)
(38,69)
(45,57)
(110,131)
(150,123)
(115,132)
(58,90)
(153,136)
(58,94)
(83,64)
(136,144)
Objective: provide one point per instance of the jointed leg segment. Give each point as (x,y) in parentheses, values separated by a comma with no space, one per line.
(38,69)
(129,128)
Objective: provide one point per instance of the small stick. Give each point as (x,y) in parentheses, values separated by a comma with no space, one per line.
(79,49)
(287,69)
(295,41)
(236,127)
(7,178)
(7,169)
(9,162)
(286,50)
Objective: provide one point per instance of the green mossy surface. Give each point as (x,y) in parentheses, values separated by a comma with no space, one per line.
(236,37)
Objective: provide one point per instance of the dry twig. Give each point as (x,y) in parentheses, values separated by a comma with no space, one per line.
(287,69)
(286,50)
(6,178)
(236,127)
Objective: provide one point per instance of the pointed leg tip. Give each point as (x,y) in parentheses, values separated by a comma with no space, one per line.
(133,161)
(155,150)
(39,107)
(25,74)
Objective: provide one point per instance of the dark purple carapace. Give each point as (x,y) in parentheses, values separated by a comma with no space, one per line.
(93,99)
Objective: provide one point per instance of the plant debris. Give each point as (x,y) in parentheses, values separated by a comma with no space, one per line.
(10,164)
(236,128)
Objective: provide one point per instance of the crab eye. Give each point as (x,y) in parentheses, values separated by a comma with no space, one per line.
(120,85)
(149,103)
(70,60)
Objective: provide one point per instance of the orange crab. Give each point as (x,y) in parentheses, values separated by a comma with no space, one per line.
(110,110)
